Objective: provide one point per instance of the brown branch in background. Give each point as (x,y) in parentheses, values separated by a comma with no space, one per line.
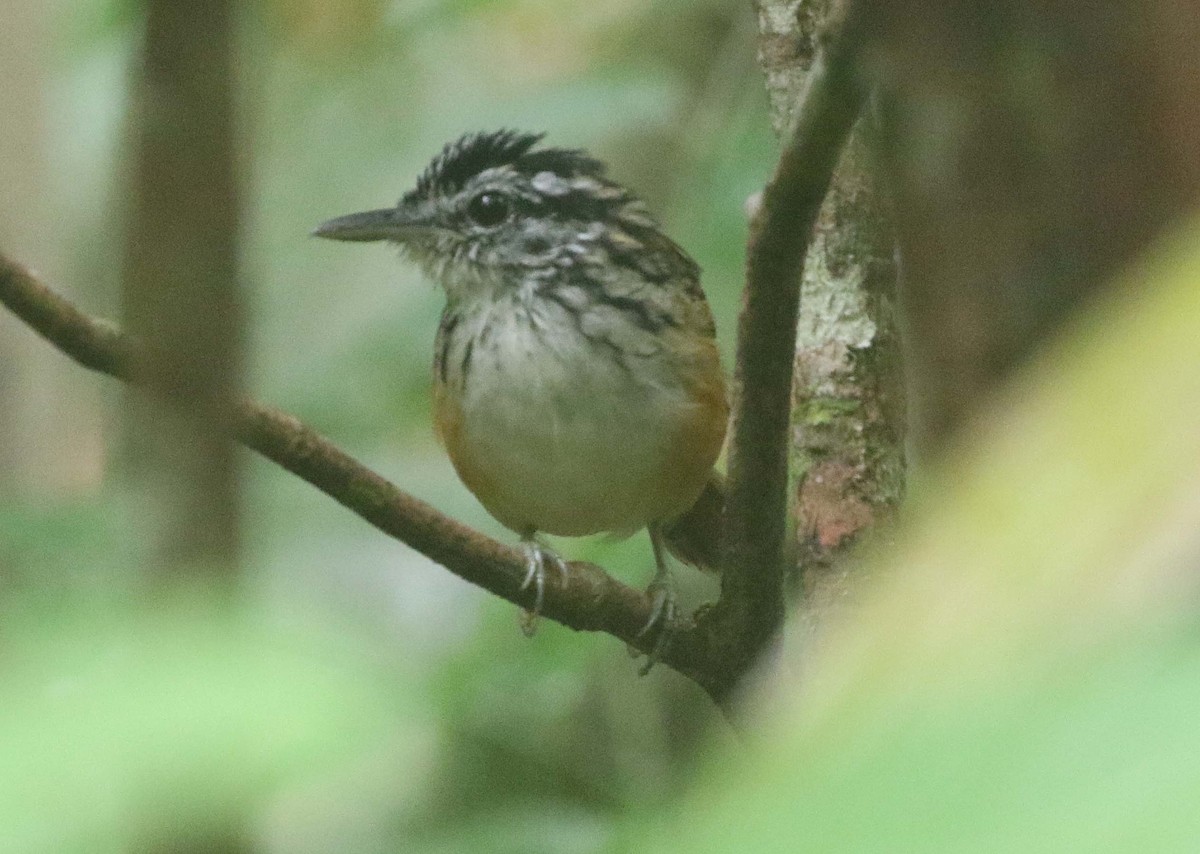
(591,601)
(752,594)
(180,294)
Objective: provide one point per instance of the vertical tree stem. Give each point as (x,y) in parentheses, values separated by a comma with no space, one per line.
(752,588)
(181,285)
(849,403)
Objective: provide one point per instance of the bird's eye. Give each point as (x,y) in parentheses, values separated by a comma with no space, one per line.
(488,209)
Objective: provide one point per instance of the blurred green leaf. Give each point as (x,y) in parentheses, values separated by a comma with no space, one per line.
(1023,670)
(181,720)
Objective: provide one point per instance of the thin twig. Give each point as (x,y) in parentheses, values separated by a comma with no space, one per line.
(590,601)
(752,595)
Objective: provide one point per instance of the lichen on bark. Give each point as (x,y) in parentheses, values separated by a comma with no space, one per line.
(848,462)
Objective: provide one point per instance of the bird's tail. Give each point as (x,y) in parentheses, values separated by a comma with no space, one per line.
(697,536)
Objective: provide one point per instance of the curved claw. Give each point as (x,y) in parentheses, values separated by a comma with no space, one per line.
(663,607)
(536,557)
(663,612)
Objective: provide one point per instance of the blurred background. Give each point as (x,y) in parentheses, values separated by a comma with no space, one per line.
(529,745)
(1014,666)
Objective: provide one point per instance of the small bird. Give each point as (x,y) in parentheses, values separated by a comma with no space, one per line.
(577,384)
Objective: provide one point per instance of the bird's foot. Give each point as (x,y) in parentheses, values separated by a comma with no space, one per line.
(663,606)
(663,612)
(536,558)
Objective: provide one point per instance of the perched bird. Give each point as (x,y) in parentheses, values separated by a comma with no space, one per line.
(577,383)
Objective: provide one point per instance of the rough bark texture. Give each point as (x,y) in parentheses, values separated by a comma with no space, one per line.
(850,415)
(849,406)
(1035,148)
(751,608)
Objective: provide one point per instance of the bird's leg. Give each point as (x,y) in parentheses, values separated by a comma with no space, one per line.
(536,558)
(662,594)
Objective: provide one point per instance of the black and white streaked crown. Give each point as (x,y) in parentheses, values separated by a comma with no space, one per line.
(473,153)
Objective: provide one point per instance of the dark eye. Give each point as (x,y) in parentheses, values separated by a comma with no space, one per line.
(488,209)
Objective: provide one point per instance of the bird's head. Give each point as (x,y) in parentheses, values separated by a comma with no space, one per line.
(492,211)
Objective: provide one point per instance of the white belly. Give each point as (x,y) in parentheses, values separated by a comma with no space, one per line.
(556,434)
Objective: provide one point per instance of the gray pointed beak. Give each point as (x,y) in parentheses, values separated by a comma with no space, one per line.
(384,224)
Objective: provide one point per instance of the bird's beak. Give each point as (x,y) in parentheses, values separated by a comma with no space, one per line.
(386,224)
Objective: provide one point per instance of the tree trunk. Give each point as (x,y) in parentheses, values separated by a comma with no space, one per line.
(848,460)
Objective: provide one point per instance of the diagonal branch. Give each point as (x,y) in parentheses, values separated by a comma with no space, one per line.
(720,647)
(752,594)
(590,601)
